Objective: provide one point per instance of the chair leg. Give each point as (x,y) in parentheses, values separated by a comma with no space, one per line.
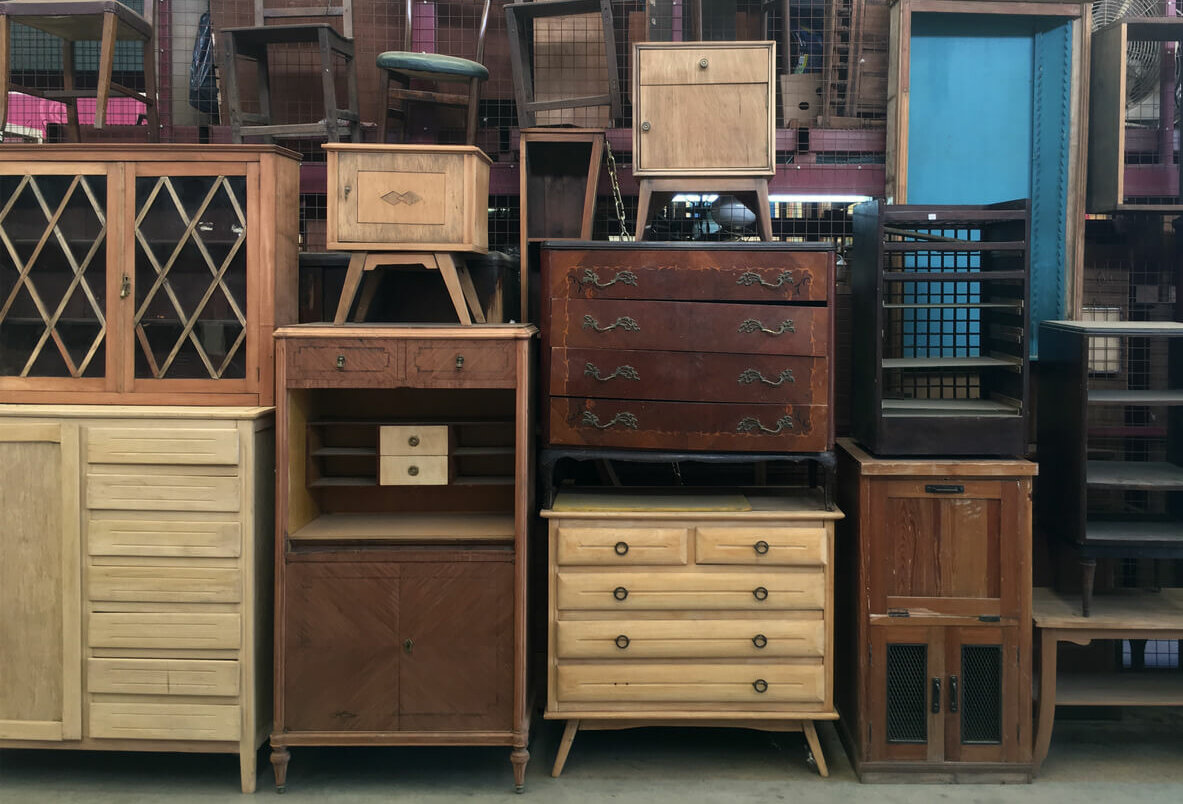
(474,102)
(5,34)
(230,81)
(106,67)
(68,85)
(351,84)
(150,89)
(330,87)
(264,68)
(385,106)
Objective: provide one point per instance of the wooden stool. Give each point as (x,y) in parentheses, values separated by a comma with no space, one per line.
(453,271)
(750,189)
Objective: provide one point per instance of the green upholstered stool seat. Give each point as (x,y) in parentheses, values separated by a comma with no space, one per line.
(432,66)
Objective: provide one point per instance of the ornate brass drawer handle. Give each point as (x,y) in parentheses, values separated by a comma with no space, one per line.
(624,372)
(749,278)
(590,277)
(624,322)
(750,424)
(752,325)
(624,419)
(749,376)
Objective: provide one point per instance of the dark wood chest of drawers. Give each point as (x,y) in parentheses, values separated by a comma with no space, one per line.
(703,346)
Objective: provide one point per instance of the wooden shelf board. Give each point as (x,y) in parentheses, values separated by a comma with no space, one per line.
(1107,396)
(408,527)
(332,451)
(1015,305)
(1135,328)
(949,407)
(952,276)
(483,480)
(959,245)
(394,422)
(1134,532)
(1163,688)
(949,362)
(1152,475)
(461,452)
(326,482)
(1126,609)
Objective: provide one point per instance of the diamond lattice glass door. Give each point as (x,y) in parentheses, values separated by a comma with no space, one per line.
(191,277)
(53,262)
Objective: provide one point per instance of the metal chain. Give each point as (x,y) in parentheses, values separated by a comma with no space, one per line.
(616,189)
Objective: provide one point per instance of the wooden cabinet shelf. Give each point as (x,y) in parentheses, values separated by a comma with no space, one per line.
(979,361)
(1134,475)
(1134,531)
(385,527)
(1109,396)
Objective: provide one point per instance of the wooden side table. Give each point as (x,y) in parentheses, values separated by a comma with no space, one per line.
(1137,615)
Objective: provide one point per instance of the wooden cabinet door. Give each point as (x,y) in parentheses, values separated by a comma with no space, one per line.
(906,693)
(947,545)
(40,586)
(341,646)
(456,670)
(983,701)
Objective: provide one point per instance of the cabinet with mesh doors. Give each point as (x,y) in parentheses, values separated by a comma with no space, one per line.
(145,275)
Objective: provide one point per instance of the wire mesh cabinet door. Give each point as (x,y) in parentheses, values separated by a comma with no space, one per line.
(983,700)
(905,722)
(191,278)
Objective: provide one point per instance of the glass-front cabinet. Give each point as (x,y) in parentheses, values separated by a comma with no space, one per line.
(145,275)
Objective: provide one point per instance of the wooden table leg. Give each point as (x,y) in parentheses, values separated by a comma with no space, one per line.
(474,301)
(106,67)
(519,757)
(280,756)
(349,289)
(764,210)
(564,747)
(1047,696)
(815,746)
(447,268)
(644,198)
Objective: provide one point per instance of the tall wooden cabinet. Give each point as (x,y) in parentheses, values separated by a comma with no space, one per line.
(934,670)
(147,274)
(134,588)
(403,502)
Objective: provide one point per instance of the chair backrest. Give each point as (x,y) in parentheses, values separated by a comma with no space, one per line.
(279,12)
(408,31)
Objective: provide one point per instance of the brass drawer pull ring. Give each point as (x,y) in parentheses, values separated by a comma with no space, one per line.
(620,593)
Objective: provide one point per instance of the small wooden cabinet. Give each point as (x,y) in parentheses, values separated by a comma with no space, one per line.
(704,109)
(135,590)
(715,610)
(145,275)
(408,198)
(934,606)
(403,503)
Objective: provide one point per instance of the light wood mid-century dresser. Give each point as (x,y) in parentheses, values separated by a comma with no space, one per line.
(135,583)
(668,610)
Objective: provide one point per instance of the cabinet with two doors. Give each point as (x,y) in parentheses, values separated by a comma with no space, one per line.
(145,275)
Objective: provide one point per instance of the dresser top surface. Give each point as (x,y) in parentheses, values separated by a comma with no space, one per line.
(730,506)
(140,152)
(436,331)
(926,466)
(135,412)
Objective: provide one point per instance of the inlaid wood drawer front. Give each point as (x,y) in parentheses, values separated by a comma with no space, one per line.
(728,544)
(580,421)
(641,591)
(355,362)
(164,535)
(704,65)
(162,491)
(687,376)
(172,630)
(690,326)
(733,274)
(461,364)
(638,682)
(414,439)
(414,470)
(162,445)
(164,721)
(162,677)
(578,545)
(164,584)
(689,639)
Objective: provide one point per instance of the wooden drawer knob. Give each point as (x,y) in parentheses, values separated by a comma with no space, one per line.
(703,63)
(620,593)
(760,641)
(413,441)
(760,686)
(413,471)
(621,548)
(622,641)
(760,593)
(761,548)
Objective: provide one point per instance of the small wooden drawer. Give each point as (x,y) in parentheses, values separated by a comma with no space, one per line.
(607,546)
(162,445)
(353,362)
(689,639)
(131,720)
(172,630)
(414,439)
(457,363)
(640,682)
(163,677)
(687,376)
(664,591)
(700,63)
(408,198)
(163,490)
(789,546)
(162,535)
(171,584)
(415,470)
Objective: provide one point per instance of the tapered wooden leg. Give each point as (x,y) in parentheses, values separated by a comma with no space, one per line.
(246,765)
(106,67)
(447,267)
(370,283)
(519,757)
(474,302)
(815,747)
(564,747)
(68,85)
(644,197)
(1047,696)
(1088,574)
(349,289)
(280,757)
(764,211)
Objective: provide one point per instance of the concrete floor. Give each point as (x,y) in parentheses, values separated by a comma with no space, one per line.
(1138,758)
